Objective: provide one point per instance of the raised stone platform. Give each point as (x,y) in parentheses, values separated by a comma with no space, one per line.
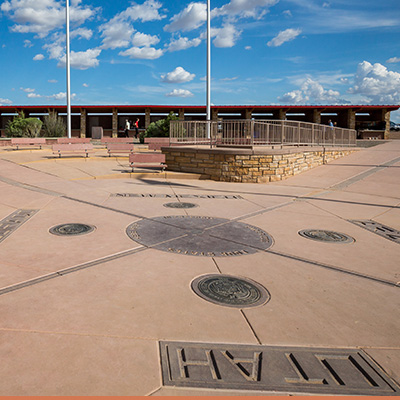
(257,165)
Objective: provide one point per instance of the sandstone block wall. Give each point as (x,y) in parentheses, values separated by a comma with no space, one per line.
(225,166)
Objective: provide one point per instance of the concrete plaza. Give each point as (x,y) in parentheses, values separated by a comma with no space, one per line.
(88,314)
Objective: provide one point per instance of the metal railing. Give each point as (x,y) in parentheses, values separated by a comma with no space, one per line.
(250,133)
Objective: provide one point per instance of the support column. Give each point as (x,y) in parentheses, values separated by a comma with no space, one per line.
(351,119)
(115,123)
(382,117)
(83,122)
(214,114)
(280,114)
(316,117)
(247,113)
(181,114)
(147,118)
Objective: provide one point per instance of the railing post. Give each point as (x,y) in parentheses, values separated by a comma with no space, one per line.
(252,132)
(209,132)
(312,135)
(299,128)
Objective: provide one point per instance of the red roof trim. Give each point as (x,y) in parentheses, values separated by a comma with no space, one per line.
(202,107)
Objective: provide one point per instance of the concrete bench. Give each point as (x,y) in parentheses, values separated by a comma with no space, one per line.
(106,140)
(119,148)
(72,148)
(147,160)
(64,140)
(21,142)
(155,143)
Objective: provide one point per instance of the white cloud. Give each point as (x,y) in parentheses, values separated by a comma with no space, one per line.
(178,75)
(85,85)
(60,96)
(148,11)
(116,33)
(27,43)
(311,91)
(376,84)
(82,33)
(226,36)
(43,16)
(287,13)
(56,48)
(248,48)
(180,93)
(284,36)
(5,102)
(145,53)
(192,17)
(183,43)
(82,59)
(245,8)
(27,90)
(143,40)
(38,57)
(33,96)
(230,79)
(52,81)
(393,60)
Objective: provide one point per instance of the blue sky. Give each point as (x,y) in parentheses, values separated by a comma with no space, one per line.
(154,52)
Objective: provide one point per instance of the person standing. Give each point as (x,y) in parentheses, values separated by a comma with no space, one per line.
(137,128)
(127,127)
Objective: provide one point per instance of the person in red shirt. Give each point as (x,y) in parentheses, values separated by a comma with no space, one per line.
(137,128)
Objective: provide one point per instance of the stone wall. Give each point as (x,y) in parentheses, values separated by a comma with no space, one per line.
(256,166)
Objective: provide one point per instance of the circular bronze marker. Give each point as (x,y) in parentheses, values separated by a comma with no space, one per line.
(230,291)
(326,236)
(71,229)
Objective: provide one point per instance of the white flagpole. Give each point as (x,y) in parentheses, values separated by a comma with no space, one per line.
(208,68)
(68,66)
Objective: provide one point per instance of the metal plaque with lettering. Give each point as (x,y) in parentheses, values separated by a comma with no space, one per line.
(180,196)
(200,236)
(382,230)
(273,368)
(11,223)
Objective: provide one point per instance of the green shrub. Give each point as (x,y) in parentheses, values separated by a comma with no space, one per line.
(161,127)
(54,125)
(33,127)
(17,126)
(23,127)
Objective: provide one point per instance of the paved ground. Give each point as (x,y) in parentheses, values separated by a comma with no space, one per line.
(88,314)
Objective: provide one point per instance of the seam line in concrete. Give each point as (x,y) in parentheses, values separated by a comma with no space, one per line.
(216,264)
(363,175)
(251,327)
(29,187)
(334,268)
(76,334)
(60,273)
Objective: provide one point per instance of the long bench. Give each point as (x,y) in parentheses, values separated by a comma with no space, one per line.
(19,142)
(106,140)
(64,140)
(119,148)
(156,160)
(72,148)
(155,143)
